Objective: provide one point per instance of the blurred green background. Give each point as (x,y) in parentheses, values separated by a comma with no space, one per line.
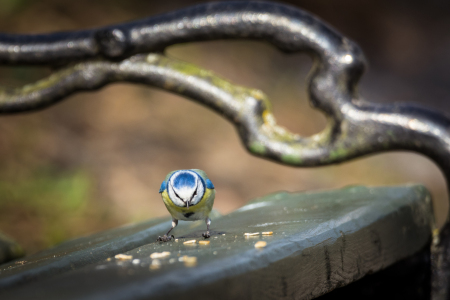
(96,160)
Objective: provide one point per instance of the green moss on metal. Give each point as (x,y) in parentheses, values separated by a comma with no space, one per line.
(292,159)
(338,153)
(257,147)
(193,70)
(189,69)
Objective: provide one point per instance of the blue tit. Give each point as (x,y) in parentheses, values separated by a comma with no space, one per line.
(188,196)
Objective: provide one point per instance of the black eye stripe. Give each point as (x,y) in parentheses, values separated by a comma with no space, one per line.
(193,195)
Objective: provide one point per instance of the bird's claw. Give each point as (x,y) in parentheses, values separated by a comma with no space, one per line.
(206,234)
(165,238)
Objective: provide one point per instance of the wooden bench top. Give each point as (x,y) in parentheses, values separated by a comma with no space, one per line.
(320,241)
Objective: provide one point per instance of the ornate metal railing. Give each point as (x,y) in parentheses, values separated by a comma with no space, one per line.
(133,52)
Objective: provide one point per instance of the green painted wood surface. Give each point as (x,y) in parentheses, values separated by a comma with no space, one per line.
(321,241)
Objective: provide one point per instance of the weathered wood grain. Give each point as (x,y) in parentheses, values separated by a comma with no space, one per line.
(320,241)
(409,279)
(80,252)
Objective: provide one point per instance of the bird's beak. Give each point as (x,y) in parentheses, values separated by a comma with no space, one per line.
(187,204)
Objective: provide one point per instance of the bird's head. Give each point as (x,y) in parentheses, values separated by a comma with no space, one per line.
(185,188)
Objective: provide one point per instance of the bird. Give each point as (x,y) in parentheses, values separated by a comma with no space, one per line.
(188,196)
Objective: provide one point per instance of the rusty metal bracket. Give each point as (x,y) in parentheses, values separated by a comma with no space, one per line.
(133,52)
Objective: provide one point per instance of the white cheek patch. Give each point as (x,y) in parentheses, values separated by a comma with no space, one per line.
(174,197)
(200,192)
(184,193)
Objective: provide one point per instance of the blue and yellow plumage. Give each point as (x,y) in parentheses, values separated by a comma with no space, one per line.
(188,196)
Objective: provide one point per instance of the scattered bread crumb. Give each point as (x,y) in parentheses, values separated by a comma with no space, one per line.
(159,254)
(267,233)
(123,257)
(190,261)
(251,234)
(191,242)
(156,264)
(203,242)
(260,244)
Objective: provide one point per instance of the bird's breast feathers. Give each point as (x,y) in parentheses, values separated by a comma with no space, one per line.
(198,211)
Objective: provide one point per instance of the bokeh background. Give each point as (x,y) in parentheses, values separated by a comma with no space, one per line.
(96,160)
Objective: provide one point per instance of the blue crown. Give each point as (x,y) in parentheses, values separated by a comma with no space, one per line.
(184,180)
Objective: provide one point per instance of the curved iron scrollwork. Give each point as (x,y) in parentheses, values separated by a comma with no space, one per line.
(133,52)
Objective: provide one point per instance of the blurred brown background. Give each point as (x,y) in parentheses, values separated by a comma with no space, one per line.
(96,160)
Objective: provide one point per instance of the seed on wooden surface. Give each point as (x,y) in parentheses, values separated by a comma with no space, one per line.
(260,244)
(190,242)
(190,261)
(123,257)
(251,234)
(203,242)
(156,264)
(267,233)
(159,254)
